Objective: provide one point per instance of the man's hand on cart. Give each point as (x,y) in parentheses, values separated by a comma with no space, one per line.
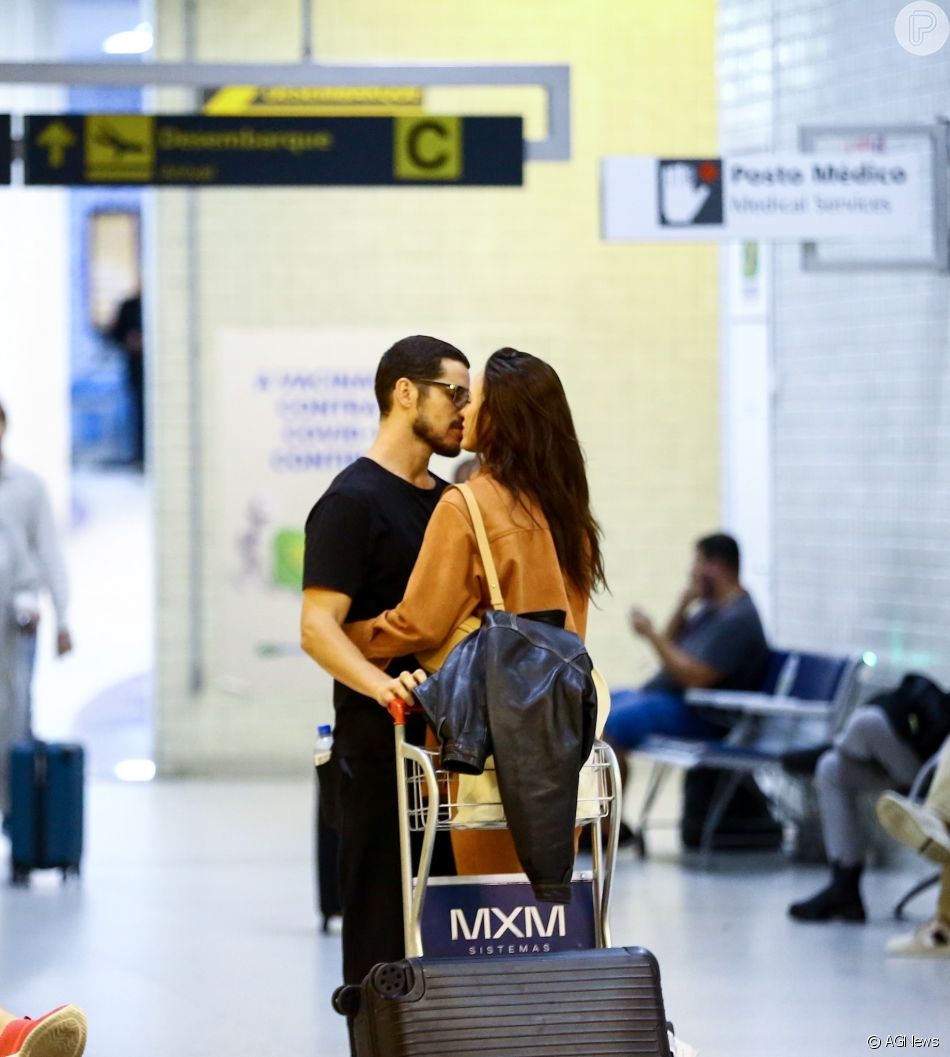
(400,687)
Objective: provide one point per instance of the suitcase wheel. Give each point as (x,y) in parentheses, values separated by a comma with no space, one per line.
(392,979)
(346,1000)
(19,875)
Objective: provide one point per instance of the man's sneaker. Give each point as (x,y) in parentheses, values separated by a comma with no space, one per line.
(914,825)
(61,1033)
(678,1048)
(930,940)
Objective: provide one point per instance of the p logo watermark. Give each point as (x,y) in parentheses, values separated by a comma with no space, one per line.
(922,28)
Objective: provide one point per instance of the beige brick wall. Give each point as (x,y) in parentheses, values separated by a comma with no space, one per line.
(632,329)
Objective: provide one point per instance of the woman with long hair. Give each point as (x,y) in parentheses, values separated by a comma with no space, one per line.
(533,496)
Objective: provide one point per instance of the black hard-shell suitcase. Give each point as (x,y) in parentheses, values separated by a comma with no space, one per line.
(747,823)
(589,1003)
(46,808)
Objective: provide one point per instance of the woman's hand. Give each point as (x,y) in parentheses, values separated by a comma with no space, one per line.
(400,687)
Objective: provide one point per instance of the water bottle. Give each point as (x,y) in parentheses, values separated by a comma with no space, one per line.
(323,746)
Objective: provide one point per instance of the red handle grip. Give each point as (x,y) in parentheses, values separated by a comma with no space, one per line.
(399,709)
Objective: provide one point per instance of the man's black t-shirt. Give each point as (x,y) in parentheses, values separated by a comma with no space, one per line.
(362,539)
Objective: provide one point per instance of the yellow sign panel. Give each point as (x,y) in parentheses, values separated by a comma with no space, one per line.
(428,148)
(315,101)
(120,147)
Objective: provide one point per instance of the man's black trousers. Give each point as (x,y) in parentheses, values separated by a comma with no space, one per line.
(370,884)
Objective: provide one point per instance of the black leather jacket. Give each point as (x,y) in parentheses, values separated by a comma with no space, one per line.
(521,689)
(918,712)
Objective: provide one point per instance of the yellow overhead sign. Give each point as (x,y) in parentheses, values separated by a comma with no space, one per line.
(191,150)
(120,146)
(315,101)
(428,148)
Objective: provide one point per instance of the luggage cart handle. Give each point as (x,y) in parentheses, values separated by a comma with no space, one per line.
(399,709)
(413,896)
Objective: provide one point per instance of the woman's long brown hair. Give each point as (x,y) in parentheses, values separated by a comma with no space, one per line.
(529,444)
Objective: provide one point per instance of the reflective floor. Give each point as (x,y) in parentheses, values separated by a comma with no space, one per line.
(193,933)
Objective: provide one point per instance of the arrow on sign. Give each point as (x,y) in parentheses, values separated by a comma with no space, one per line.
(56,137)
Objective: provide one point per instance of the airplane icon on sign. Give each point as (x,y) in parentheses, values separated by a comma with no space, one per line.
(106,136)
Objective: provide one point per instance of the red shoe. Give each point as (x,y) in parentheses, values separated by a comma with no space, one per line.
(61,1033)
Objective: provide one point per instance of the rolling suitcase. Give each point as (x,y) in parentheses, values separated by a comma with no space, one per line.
(747,824)
(592,1002)
(46,808)
(596,1001)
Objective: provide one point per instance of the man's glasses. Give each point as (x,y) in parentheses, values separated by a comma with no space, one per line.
(458,394)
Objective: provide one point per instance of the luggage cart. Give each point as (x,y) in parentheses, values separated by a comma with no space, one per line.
(428,802)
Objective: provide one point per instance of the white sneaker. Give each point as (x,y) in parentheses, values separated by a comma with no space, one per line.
(930,940)
(915,825)
(678,1048)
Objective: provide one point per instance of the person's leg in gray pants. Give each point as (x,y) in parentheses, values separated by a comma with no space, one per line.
(868,757)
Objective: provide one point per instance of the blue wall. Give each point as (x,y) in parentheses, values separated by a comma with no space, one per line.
(101,419)
(100,409)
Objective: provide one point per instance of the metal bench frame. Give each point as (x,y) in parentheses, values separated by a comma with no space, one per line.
(769,722)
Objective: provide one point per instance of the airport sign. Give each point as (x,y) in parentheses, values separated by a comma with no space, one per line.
(199,151)
(6,149)
(789,196)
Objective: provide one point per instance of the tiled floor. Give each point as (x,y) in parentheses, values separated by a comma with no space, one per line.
(193,933)
(193,930)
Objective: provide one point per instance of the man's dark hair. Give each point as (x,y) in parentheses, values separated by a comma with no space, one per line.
(416,357)
(720,548)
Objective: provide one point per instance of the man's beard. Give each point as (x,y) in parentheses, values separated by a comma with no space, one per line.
(439,444)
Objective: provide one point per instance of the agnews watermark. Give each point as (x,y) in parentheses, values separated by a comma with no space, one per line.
(903,1042)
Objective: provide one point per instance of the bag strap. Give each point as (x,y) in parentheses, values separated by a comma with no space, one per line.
(481,536)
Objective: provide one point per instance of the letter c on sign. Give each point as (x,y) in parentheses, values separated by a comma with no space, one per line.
(428,149)
(415,147)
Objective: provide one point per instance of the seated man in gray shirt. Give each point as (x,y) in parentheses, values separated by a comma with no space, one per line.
(714,639)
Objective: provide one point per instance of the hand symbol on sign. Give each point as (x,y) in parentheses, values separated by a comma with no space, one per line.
(682,199)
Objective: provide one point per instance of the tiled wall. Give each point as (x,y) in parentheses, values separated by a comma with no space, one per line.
(862,404)
(632,329)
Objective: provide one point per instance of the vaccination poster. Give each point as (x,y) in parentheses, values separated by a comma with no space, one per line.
(287,411)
